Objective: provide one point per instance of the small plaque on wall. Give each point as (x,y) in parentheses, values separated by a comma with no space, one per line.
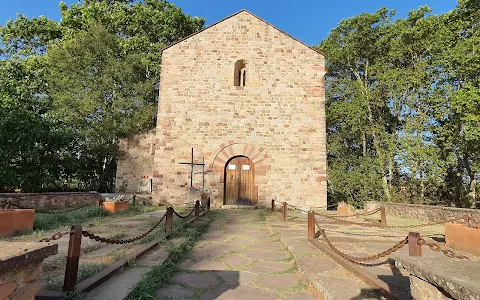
(245,167)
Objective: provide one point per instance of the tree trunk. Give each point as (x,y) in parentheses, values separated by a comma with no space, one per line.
(364,144)
(473,189)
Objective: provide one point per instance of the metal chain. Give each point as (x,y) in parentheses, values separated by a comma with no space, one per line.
(97,238)
(40,211)
(437,248)
(363,234)
(387,252)
(54,237)
(368,213)
(384,226)
(183,217)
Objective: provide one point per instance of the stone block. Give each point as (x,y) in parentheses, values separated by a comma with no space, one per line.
(463,238)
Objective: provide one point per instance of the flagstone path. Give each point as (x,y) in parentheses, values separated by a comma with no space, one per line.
(239,258)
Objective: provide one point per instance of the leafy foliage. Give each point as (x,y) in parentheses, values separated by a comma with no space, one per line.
(403,106)
(71,89)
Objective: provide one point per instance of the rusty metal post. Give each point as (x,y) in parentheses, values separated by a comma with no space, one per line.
(311,225)
(383,215)
(273,205)
(169,220)
(73,256)
(197,208)
(208,203)
(284,211)
(414,249)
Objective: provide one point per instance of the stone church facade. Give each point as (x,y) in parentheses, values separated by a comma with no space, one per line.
(250,100)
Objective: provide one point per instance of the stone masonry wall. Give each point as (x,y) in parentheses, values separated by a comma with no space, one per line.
(424,212)
(135,161)
(20,264)
(277,119)
(50,200)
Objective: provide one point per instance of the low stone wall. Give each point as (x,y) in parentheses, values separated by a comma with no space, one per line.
(424,212)
(20,264)
(50,200)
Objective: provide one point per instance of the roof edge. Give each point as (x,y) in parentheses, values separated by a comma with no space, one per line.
(238,12)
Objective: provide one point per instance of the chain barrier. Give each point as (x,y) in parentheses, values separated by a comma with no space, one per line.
(368,213)
(311,207)
(97,238)
(354,259)
(364,234)
(184,217)
(54,237)
(437,248)
(40,211)
(385,226)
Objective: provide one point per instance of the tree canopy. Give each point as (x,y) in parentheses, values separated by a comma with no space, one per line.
(403,99)
(70,89)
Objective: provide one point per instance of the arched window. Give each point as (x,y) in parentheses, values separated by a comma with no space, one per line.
(240,75)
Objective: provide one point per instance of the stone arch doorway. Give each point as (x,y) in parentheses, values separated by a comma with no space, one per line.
(239,183)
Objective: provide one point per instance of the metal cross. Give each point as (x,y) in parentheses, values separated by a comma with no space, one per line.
(192,164)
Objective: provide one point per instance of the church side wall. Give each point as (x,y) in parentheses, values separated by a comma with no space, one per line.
(278,117)
(135,161)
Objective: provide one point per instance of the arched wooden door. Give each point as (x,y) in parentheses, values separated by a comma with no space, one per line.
(240,182)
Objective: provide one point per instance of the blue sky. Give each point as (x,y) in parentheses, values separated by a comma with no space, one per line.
(308,20)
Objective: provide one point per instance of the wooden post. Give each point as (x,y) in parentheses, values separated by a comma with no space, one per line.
(383,215)
(284,211)
(311,225)
(197,208)
(273,205)
(134,199)
(208,203)
(414,249)
(73,256)
(169,221)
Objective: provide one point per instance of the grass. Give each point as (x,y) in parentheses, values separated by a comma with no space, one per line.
(89,216)
(87,270)
(160,275)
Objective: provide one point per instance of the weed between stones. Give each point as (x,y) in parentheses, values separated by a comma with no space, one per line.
(162,274)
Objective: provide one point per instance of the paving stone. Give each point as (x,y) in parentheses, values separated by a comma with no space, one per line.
(271,246)
(202,266)
(197,280)
(119,286)
(154,257)
(236,277)
(316,264)
(175,291)
(268,267)
(230,292)
(236,261)
(300,296)
(336,288)
(278,282)
(266,255)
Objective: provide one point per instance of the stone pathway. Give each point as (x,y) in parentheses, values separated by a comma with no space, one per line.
(240,257)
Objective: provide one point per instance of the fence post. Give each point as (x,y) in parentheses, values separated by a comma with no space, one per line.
(208,203)
(311,225)
(197,208)
(273,205)
(284,211)
(134,199)
(73,256)
(168,221)
(383,215)
(414,249)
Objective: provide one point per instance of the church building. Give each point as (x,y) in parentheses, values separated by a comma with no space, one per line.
(241,117)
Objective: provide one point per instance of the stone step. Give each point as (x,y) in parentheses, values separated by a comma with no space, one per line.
(119,286)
